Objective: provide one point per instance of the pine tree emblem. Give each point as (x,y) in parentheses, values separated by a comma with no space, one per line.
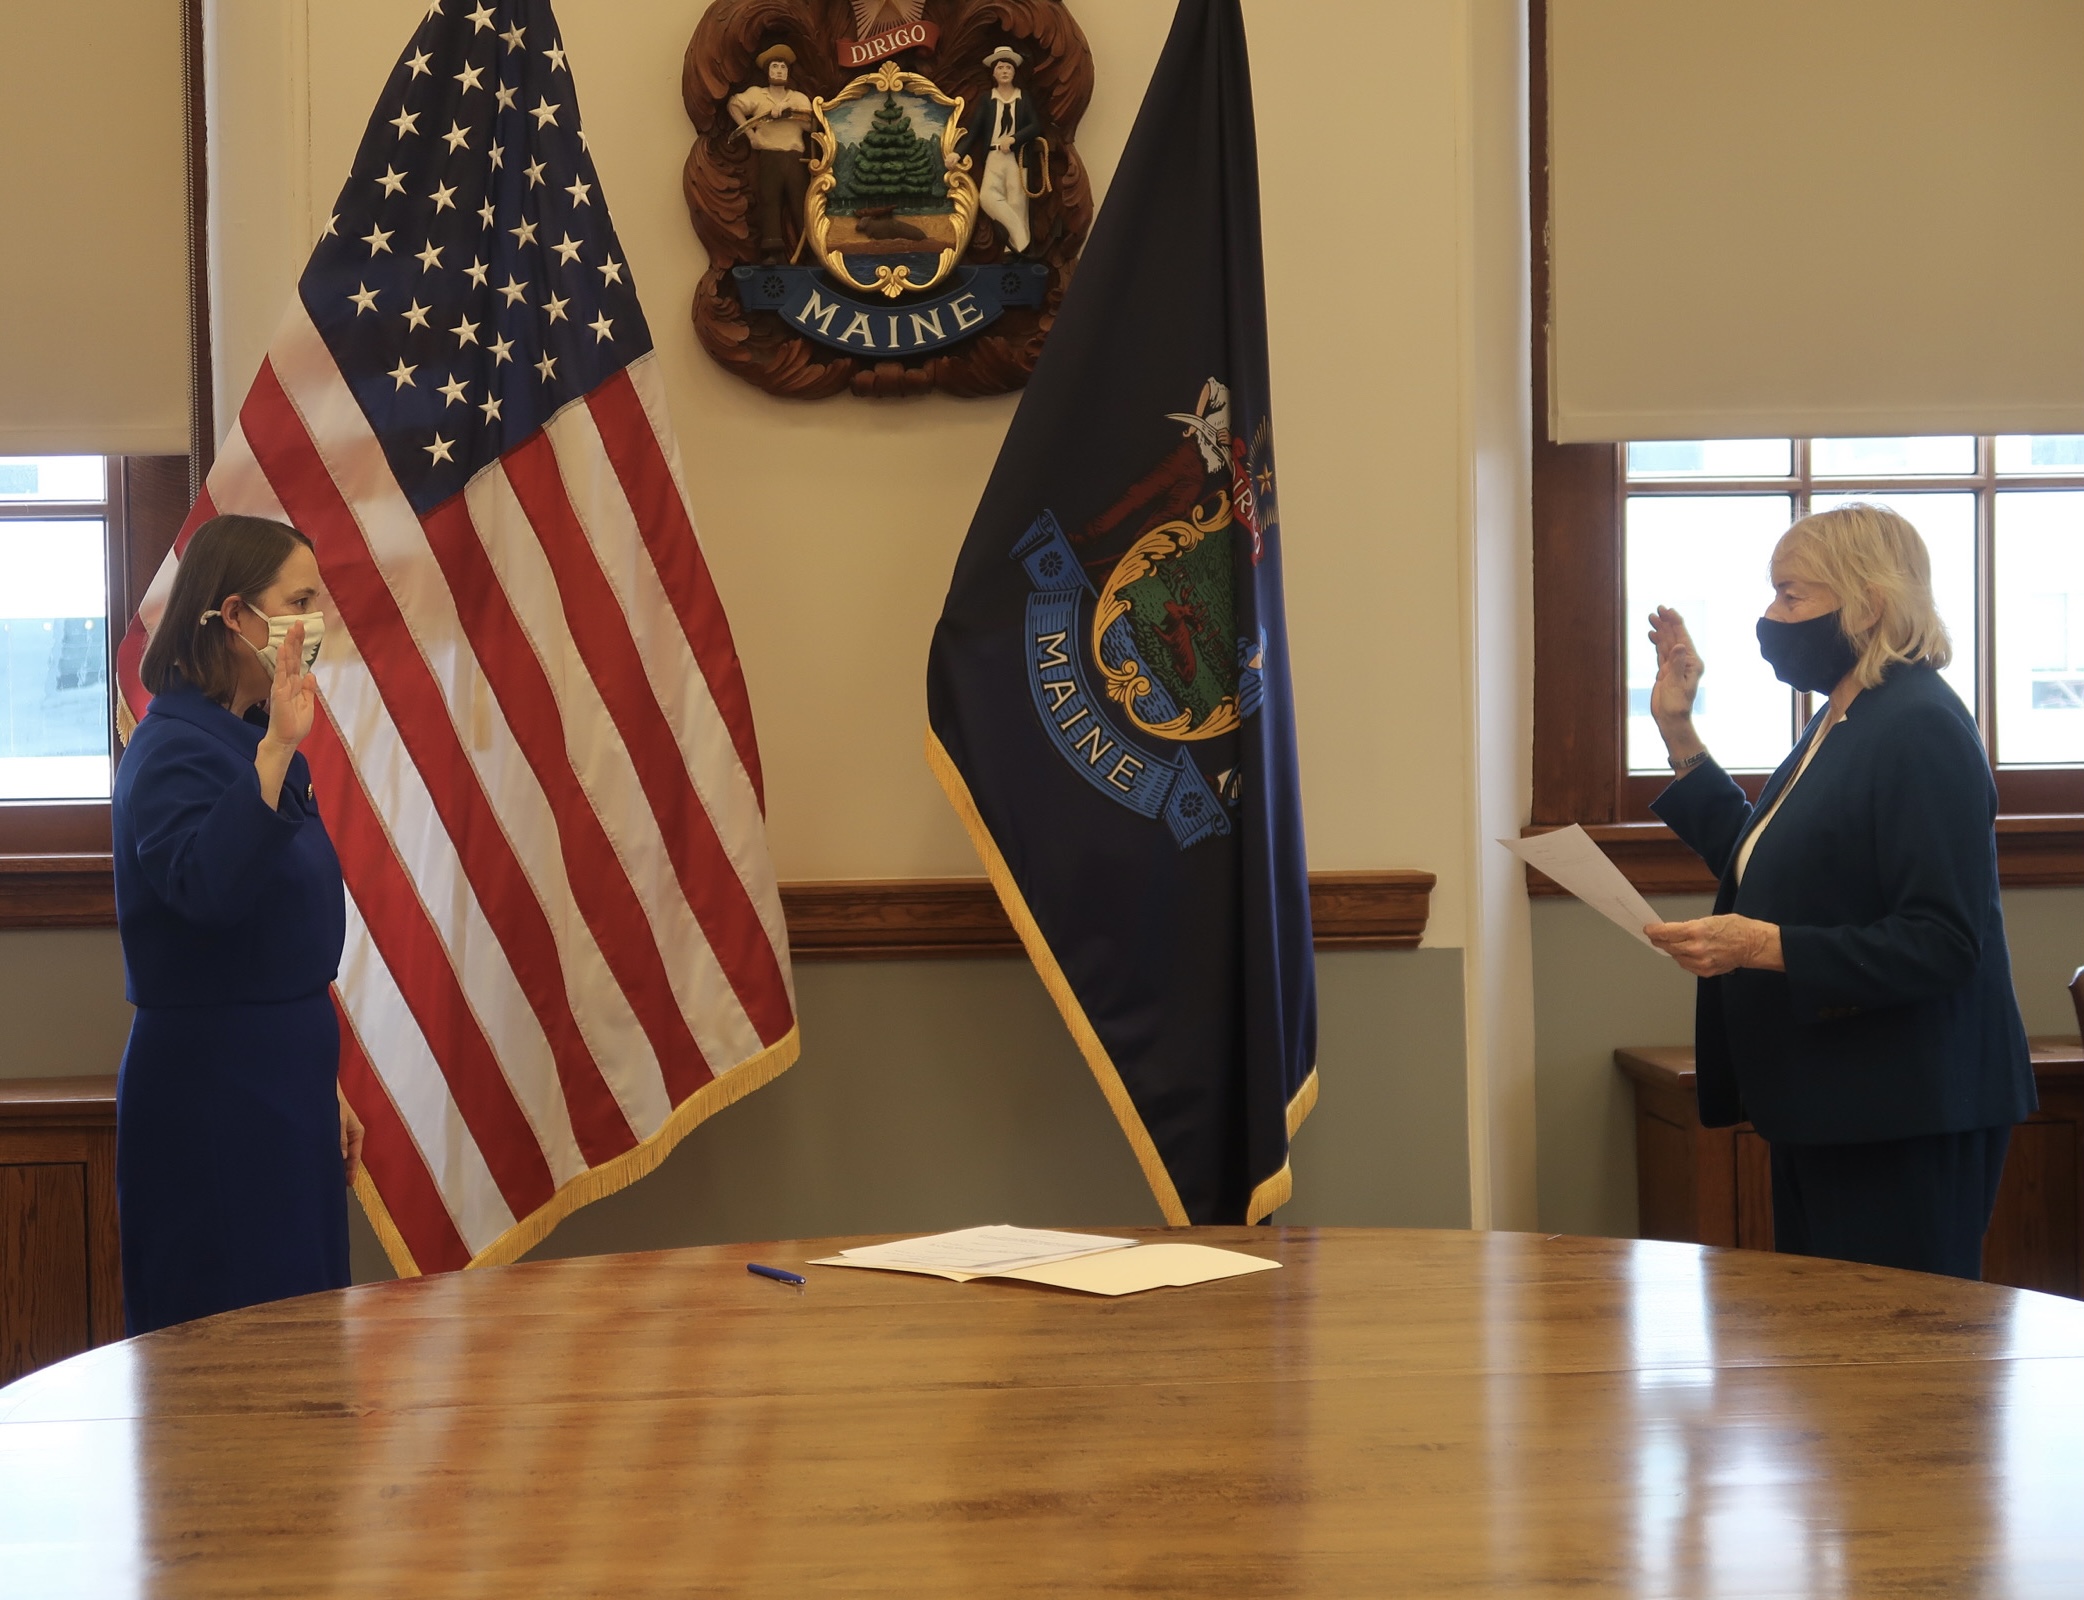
(893,165)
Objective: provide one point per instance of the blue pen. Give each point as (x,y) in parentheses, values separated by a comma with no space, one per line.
(775,1273)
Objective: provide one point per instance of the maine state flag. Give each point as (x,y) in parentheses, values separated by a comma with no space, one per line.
(1108,698)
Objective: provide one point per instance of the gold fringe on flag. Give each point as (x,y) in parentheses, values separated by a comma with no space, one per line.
(1277,1191)
(601,1181)
(1059,987)
(1268,1195)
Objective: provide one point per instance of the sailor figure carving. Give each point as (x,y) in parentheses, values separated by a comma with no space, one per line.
(1003,131)
(772,118)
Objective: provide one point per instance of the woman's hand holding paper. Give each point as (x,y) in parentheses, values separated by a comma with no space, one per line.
(1708,947)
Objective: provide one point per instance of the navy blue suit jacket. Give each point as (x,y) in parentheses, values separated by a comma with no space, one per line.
(220,899)
(1895,1017)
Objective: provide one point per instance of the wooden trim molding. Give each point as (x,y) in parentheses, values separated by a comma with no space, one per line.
(202,405)
(1370,910)
(873,917)
(57,891)
(2040,852)
(846,918)
(2032,853)
(855,917)
(1579,651)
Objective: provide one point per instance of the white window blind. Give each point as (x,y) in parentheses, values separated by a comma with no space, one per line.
(1816,217)
(93,275)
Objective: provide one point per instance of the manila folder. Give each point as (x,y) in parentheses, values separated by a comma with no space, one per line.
(1148,1266)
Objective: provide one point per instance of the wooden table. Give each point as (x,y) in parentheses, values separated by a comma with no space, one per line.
(1394,1413)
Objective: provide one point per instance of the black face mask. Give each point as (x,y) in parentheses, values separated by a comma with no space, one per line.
(1812,655)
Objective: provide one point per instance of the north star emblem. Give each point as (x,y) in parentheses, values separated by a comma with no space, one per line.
(1160,632)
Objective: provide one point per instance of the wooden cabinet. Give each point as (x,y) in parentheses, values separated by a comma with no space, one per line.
(61,1288)
(1714,1185)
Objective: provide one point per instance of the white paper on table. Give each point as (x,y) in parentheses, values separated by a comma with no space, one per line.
(1110,1270)
(1151,1266)
(1571,858)
(974,1252)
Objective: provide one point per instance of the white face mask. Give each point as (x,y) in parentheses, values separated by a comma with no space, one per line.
(278,631)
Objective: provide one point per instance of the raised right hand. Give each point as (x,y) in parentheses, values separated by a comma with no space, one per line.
(292,701)
(1679,671)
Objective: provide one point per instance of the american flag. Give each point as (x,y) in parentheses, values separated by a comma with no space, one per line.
(535,752)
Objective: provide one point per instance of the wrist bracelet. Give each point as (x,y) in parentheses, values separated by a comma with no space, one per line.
(1690,762)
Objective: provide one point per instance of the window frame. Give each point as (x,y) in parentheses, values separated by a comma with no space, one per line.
(1580,765)
(66,826)
(2021,790)
(56,861)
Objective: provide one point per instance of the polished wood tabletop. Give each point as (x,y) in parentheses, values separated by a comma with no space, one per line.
(1394,1413)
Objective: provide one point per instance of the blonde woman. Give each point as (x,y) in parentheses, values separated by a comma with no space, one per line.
(1855,1001)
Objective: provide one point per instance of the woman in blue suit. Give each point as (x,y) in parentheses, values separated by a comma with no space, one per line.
(231,1134)
(1856,1000)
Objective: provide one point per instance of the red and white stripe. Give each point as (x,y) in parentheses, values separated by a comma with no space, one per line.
(535,756)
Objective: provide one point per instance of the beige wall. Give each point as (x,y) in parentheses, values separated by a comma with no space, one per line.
(1395,232)
(833,525)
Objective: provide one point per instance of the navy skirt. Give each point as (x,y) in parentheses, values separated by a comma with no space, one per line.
(228,1179)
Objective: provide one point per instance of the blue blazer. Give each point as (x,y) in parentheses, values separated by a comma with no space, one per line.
(1895,1017)
(220,900)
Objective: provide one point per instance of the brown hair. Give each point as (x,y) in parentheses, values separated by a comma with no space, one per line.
(227,556)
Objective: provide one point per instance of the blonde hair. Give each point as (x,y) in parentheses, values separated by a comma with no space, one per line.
(1875,564)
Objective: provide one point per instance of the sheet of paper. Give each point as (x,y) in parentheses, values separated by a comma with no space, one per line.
(877,1266)
(1150,1266)
(1570,857)
(973,1252)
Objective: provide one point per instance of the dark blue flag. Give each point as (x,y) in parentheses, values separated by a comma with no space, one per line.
(1108,698)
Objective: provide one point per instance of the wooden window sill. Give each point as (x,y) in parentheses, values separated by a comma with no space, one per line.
(2032,852)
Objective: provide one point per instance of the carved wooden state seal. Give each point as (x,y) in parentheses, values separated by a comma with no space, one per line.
(889,190)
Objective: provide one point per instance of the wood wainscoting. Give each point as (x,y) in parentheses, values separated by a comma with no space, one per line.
(1715,1185)
(61,1285)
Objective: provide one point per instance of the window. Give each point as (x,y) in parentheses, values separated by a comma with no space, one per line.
(56,720)
(2003,518)
(80,537)
(1619,528)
